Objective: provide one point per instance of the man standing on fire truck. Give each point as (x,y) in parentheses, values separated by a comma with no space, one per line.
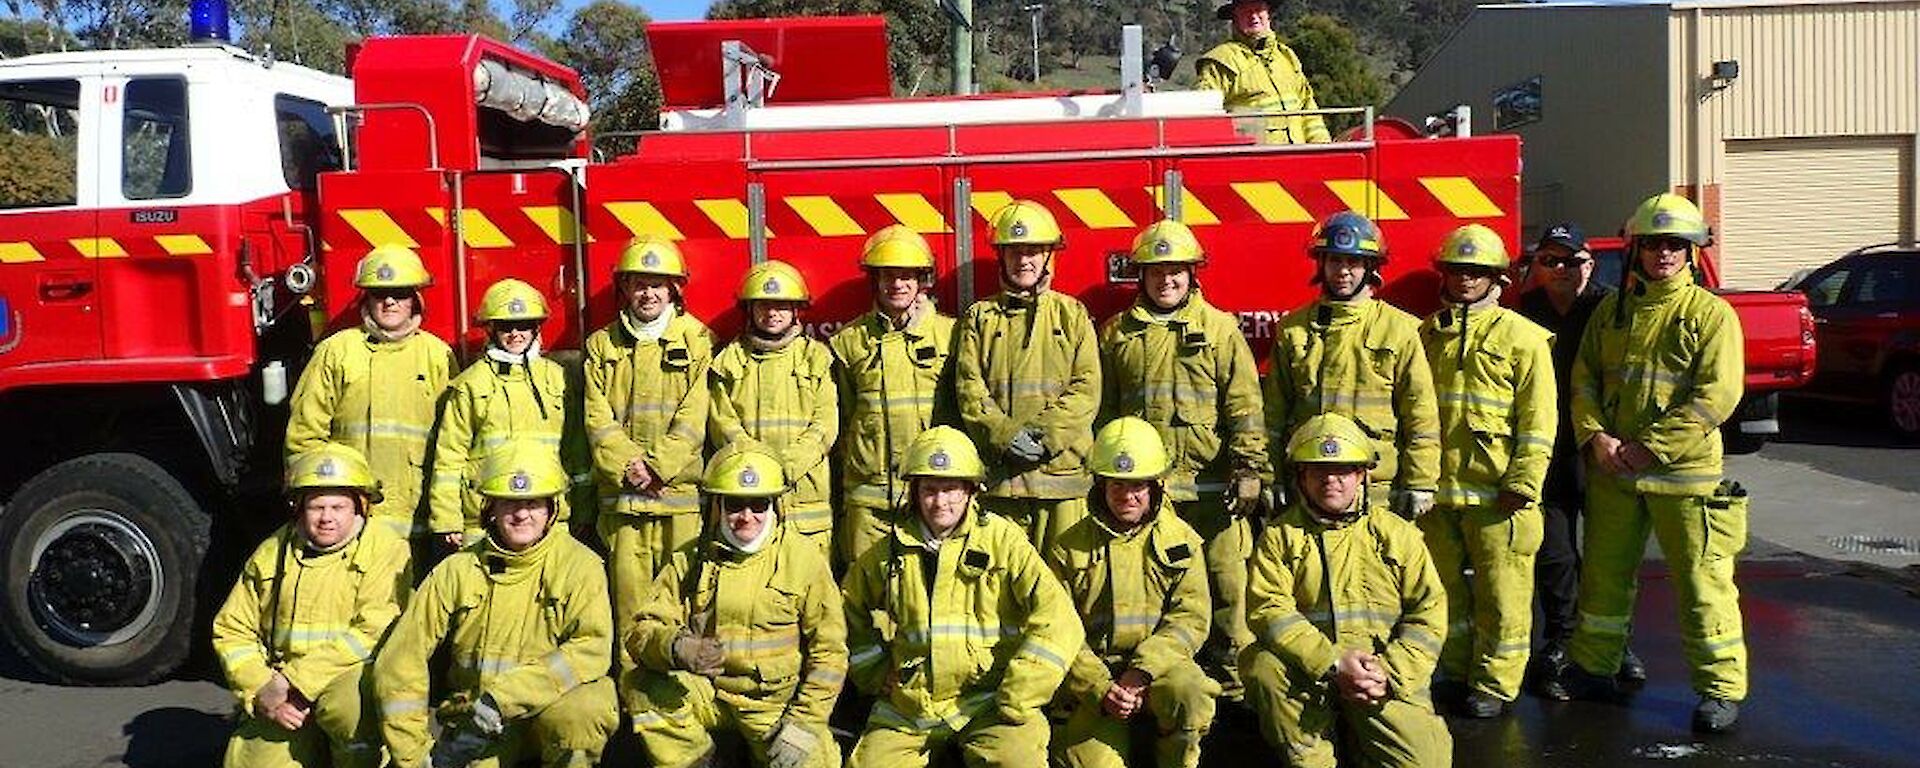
(1182,365)
(894,366)
(774,385)
(1660,369)
(376,387)
(1028,377)
(647,411)
(1494,372)
(1352,354)
(1255,72)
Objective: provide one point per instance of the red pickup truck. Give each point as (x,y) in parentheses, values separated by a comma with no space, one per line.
(1780,350)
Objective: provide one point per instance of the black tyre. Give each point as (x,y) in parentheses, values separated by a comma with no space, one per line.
(1740,443)
(101,554)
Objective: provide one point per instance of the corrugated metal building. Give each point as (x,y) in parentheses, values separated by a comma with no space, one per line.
(1793,122)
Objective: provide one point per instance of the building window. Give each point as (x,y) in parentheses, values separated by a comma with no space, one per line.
(309,146)
(1517,105)
(155,160)
(39,143)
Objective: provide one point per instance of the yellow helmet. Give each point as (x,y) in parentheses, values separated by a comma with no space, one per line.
(523,470)
(332,465)
(1167,242)
(391,266)
(774,281)
(1128,448)
(943,452)
(750,471)
(510,300)
(1331,438)
(896,246)
(1025,222)
(652,255)
(1474,245)
(1670,215)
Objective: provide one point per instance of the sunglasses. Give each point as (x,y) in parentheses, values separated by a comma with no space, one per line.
(1665,243)
(394,294)
(756,506)
(1563,262)
(505,326)
(1471,272)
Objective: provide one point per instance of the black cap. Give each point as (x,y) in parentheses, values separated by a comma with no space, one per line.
(1225,12)
(1565,234)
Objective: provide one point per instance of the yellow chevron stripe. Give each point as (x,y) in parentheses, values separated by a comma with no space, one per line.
(377,227)
(183,245)
(99,247)
(1272,202)
(19,253)
(824,215)
(1192,211)
(1461,197)
(1366,197)
(478,230)
(555,221)
(641,218)
(1094,208)
(989,203)
(729,214)
(914,211)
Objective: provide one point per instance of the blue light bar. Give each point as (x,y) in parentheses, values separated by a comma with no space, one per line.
(207,22)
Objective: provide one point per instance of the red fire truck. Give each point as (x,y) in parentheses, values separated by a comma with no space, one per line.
(203,208)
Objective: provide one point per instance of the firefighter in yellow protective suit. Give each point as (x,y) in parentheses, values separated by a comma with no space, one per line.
(894,367)
(1660,369)
(377,387)
(311,606)
(1493,369)
(1352,354)
(1028,378)
(955,624)
(511,395)
(1255,72)
(527,631)
(1134,571)
(1176,361)
(1350,617)
(774,385)
(646,413)
(745,634)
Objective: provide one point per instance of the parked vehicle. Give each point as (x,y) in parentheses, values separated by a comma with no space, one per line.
(1866,314)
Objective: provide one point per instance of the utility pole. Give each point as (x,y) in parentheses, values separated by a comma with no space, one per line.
(961,12)
(1033,15)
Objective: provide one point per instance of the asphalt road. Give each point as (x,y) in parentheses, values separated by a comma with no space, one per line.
(1831,591)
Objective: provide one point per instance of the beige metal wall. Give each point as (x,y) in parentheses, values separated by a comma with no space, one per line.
(1600,146)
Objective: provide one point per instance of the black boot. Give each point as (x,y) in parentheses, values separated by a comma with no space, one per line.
(1572,682)
(1633,671)
(1715,715)
(1482,706)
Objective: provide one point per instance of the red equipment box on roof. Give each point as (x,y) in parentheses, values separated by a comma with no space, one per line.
(837,58)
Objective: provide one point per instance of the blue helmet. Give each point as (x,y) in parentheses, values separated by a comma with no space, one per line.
(1348,233)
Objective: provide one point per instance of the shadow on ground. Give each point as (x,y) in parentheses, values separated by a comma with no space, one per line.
(174,737)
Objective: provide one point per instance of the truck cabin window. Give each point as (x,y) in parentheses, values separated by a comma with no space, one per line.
(155,157)
(39,143)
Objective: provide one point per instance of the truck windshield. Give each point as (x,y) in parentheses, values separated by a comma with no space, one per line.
(39,143)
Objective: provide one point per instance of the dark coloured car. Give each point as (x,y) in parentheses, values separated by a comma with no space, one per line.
(1866,309)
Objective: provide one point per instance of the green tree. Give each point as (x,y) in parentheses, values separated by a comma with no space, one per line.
(606,43)
(1329,55)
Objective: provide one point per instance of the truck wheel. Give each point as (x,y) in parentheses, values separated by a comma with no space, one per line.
(1740,443)
(101,554)
(1903,402)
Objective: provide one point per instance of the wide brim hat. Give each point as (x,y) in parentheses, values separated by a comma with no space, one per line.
(1225,12)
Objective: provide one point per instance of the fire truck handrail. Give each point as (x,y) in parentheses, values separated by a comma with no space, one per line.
(1158,150)
(433,129)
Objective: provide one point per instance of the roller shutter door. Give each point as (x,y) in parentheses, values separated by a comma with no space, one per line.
(1786,204)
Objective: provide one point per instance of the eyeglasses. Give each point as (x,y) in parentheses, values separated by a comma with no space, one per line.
(1665,243)
(1563,262)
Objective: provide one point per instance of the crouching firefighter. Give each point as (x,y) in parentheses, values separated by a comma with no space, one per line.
(1137,576)
(744,633)
(1349,615)
(312,604)
(955,624)
(528,631)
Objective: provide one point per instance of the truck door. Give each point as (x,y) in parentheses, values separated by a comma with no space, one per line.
(49,149)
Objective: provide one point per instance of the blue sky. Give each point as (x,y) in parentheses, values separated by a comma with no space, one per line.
(660,10)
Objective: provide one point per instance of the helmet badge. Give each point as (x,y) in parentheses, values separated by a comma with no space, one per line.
(1344,238)
(939,460)
(520,482)
(1663,219)
(326,468)
(749,478)
(771,286)
(517,306)
(650,258)
(384,272)
(1330,447)
(1467,249)
(1123,462)
(1019,229)
(1162,248)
